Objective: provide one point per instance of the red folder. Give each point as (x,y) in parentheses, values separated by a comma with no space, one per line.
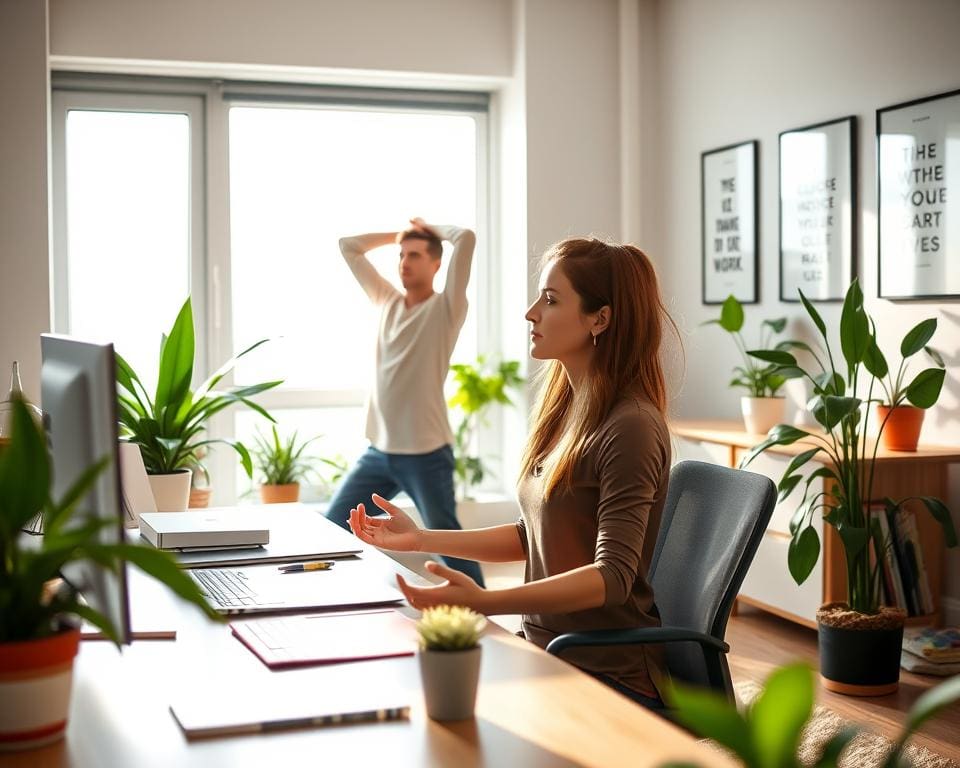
(327,638)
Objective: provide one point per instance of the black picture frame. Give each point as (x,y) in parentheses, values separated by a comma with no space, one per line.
(818,210)
(730,223)
(916,259)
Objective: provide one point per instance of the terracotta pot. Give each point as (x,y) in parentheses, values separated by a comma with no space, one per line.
(902,429)
(171,492)
(280,494)
(450,680)
(761,414)
(200,498)
(35,681)
(860,654)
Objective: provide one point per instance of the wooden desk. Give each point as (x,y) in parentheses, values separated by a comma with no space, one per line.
(898,474)
(532,709)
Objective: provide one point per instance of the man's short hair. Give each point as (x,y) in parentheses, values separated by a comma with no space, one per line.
(434,244)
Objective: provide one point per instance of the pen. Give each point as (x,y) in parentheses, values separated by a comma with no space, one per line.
(321,565)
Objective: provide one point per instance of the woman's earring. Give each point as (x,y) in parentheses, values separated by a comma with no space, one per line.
(595,339)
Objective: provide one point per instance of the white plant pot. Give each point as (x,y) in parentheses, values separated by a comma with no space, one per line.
(171,492)
(760,414)
(450,680)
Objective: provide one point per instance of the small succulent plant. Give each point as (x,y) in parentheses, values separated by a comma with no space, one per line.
(450,628)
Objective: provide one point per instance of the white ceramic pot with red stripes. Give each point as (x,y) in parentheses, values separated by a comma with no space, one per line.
(35,681)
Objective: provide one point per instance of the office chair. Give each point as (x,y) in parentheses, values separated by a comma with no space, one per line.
(713,520)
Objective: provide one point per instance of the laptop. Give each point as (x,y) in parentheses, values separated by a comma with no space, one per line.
(264,588)
(203,530)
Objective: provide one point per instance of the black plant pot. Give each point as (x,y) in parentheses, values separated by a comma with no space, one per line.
(860,662)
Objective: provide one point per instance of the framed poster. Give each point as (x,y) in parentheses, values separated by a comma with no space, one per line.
(729,223)
(818,210)
(918,199)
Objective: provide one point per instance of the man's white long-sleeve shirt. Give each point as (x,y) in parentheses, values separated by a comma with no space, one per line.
(407,410)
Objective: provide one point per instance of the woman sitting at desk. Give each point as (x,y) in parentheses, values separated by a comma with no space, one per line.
(594,474)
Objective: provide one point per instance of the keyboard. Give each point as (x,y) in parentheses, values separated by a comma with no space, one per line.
(228,588)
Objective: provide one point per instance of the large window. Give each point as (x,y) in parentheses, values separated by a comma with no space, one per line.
(237,195)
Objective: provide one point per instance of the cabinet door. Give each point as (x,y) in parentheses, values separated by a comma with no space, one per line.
(768,583)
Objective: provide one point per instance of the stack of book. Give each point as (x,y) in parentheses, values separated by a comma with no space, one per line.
(932,651)
(905,581)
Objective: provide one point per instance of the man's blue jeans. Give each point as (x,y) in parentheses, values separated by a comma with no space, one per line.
(427,478)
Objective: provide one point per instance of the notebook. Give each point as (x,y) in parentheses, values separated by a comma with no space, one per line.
(292,641)
(263,588)
(217,713)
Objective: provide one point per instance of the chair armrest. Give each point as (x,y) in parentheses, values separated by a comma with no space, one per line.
(640,636)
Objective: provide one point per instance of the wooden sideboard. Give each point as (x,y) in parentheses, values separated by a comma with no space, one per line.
(768,584)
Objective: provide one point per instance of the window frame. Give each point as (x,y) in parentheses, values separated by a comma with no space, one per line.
(209,102)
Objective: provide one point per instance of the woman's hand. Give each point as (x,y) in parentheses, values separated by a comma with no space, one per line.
(396,532)
(459,589)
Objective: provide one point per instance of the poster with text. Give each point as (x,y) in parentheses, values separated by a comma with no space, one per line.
(729,223)
(918,167)
(817,210)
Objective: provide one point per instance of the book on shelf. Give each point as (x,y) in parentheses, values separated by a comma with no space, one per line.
(912,566)
(907,577)
(892,581)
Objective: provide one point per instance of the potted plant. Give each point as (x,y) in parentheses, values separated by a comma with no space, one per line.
(762,407)
(901,413)
(859,641)
(449,656)
(477,388)
(39,629)
(169,426)
(281,465)
(200,489)
(768,732)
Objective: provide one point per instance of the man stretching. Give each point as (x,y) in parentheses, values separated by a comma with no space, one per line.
(410,436)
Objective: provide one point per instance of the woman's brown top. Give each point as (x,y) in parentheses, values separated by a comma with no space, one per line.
(610,517)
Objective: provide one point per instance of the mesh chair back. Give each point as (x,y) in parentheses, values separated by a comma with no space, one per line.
(713,520)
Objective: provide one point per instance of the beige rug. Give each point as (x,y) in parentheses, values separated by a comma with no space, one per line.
(865,751)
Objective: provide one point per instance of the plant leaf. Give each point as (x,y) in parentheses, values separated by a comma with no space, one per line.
(942,515)
(777,325)
(24,473)
(176,361)
(918,336)
(934,355)
(854,326)
(711,716)
(776,356)
(779,713)
(874,361)
(854,540)
(814,315)
(803,553)
(924,390)
(731,315)
(781,434)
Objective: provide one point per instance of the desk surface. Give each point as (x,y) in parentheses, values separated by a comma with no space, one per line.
(732,433)
(532,709)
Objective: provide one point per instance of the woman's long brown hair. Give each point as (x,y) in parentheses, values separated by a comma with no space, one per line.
(626,360)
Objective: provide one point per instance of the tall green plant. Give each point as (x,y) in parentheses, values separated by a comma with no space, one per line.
(478,388)
(28,609)
(168,427)
(758,380)
(848,458)
(280,461)
(767,734)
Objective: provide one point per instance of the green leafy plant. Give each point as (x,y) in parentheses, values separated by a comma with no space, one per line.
(477,388)
(280,462)
(926,384)
(29,609)
(450,628)
(758,380)
(767,734)
(169,426)
(846,456)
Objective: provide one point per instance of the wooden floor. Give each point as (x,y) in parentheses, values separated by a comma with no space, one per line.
(759,642)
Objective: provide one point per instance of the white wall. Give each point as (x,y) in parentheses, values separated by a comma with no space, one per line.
(458,37)
(24,221)
(748,69)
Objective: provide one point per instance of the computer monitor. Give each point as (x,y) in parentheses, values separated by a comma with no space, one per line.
(78,396)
